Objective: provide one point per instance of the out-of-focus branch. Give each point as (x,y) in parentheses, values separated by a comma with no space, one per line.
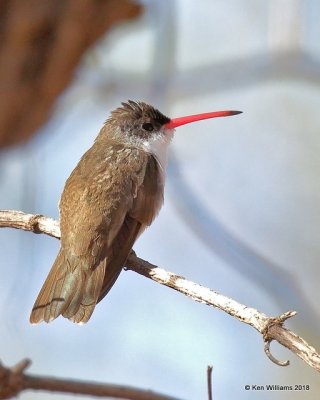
(42,43)
(14,380)
(271,328)
(209,381)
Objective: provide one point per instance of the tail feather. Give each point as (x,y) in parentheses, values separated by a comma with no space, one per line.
(69,291)
(83,314)
(80,310)
(40,310)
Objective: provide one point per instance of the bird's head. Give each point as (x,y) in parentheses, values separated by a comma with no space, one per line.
(139,123)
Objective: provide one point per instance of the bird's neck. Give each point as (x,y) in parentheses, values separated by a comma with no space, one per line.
(158,147)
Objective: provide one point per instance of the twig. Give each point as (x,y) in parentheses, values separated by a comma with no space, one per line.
(209,381)
(14,380)
(271,328)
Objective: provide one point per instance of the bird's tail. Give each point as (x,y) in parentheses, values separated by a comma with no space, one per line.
(71,290)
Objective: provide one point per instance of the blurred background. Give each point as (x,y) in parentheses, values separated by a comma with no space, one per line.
(242,201)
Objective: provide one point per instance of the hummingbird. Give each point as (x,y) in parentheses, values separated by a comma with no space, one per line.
(110,198)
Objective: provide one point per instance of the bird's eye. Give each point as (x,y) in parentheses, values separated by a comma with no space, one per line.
(147,126)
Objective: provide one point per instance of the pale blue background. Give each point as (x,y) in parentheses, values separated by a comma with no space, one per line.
(242,208)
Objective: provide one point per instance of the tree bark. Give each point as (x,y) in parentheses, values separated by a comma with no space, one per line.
(41,44)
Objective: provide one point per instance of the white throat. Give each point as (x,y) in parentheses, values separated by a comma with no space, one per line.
(158,147)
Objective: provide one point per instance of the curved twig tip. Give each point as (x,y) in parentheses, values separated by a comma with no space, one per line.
(278,321)
(272,358)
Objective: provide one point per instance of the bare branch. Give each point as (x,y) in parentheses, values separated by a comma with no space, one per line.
(13,381)
(271,328)
(29,222)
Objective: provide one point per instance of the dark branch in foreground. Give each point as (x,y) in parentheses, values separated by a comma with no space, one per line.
(271,328)
(209,381)
(14,380)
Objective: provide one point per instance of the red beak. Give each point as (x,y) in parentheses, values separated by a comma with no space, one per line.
(175,122)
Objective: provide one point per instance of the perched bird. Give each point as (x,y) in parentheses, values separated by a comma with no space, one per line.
(112,195)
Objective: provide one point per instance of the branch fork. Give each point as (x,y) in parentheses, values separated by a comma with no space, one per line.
(12,379)
(267,338)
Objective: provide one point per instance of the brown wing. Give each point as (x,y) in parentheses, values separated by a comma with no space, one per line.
(97,229)
(149,199)
(145,206)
